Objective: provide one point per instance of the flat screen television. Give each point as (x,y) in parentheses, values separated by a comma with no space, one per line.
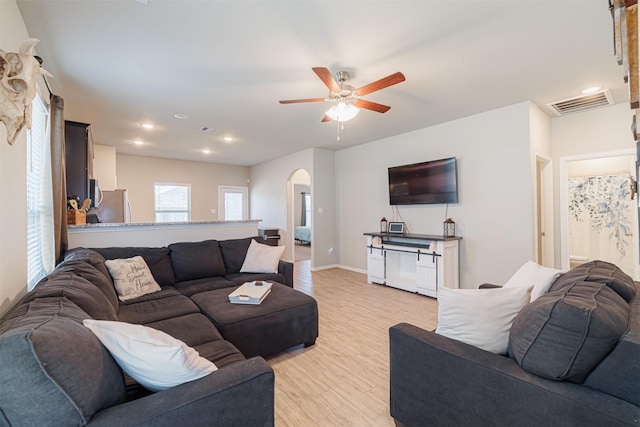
(430,182)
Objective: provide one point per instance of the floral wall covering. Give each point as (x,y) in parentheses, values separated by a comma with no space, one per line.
(600,209)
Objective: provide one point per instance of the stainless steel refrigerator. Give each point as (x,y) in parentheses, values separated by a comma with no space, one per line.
(113,206)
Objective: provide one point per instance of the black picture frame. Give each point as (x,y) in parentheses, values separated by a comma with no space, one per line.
(396,228)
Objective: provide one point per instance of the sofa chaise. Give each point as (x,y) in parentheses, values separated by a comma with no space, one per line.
(55,371)
(573,360)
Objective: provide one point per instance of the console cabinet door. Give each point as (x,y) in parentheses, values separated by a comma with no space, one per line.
(375,266)
(427,275)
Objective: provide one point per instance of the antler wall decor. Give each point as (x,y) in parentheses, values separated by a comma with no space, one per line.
(18,72)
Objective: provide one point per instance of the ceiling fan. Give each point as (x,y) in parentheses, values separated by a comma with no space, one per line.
(347,99)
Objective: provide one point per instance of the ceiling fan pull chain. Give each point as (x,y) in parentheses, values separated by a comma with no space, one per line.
(338,125)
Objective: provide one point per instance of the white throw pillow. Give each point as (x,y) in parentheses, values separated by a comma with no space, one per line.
(131,277)
(480,317)
(261,258)
(532,274)
(156,360)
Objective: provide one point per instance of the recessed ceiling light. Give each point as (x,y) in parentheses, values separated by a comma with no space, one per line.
(591,90)
(147,125)
(228,139)
(180,116)
(138,142)
(205,151)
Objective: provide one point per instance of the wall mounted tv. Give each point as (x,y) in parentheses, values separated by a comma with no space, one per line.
(430,182)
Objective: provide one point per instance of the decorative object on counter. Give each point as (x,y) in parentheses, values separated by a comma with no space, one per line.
(449,228)
(77,215)
(396,227)
(383,225)
(18,72)
(250,293)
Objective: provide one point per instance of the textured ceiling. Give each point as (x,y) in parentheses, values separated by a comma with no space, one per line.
(226,64)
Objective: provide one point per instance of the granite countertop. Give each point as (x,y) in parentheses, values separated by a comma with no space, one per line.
(157,224)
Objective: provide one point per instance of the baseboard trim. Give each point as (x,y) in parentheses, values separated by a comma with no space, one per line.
(325,267)
(356,270)
(343,267)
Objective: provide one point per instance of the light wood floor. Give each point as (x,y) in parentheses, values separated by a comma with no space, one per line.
(344,379)
(302,252)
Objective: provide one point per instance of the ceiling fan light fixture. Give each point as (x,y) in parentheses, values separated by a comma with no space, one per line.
(342,111)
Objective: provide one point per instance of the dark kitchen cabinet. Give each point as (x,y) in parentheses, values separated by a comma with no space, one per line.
(79,158)
(270,235)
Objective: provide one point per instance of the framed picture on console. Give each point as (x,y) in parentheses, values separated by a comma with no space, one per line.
(396,228)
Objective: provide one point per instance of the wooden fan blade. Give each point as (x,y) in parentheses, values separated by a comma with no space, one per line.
(326,119)
(373,106)
(296,101)
(380,84)
(327,79)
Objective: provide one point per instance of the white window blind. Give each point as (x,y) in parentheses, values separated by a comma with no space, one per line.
(172,202)
(40,239)
(307,204)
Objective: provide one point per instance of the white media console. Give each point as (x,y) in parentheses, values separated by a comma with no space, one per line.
(413,262)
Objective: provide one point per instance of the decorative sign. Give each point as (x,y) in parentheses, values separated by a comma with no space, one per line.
(18,72)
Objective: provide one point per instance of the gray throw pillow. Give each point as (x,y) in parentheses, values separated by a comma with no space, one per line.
(600,272)
(90,256)
(196,260)
(76,289)
(157,260)
(234,251)
(87,271)
(54,370)
(563,335)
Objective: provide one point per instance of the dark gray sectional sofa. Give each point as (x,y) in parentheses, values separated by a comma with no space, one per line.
(574,360)
(54,371)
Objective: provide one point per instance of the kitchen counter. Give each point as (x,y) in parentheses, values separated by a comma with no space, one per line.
(156,234)
(158,224)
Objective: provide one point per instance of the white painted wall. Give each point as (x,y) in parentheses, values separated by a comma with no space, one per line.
(603,130)
(595,167)
(271,194)
(138,174)
(540,134)
(13,180)
(494,213)
(271,200)
(325,240)
(600,130)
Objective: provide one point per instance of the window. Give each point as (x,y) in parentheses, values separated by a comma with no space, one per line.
(40,239)
(233,203)
(172,202)
(307,204)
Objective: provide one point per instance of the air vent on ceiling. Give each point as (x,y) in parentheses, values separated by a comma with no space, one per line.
(581,103)
(207,129)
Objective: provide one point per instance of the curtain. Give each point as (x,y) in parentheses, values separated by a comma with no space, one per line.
(59,183)
(303,209)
